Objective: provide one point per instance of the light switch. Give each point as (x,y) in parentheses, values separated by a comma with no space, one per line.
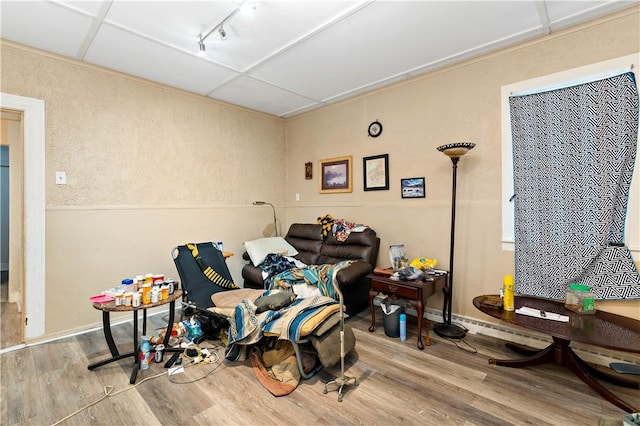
(297,196)
(61,178)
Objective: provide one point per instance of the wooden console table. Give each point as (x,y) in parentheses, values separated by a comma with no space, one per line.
(602,329)
(416,292)
(106,308)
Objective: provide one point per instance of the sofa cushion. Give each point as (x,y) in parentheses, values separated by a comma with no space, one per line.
(358,246)
(307,239)
(260,248)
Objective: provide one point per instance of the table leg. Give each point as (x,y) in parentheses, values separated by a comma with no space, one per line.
(115,355)
(136,349)
(372,295)
(144,322)
(106,328)
(167,335)
(580,369)
(543,356)
(420,311)
(135,334)
(560,353)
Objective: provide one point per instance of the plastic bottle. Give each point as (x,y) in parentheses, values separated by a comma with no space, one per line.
(403,327)
(580,299)
(145,353)
(127,285)
(508,303)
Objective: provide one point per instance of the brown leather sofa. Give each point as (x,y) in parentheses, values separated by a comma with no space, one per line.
(313,249)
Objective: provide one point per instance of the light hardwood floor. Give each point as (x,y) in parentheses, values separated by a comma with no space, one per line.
(10,317)
(399,384)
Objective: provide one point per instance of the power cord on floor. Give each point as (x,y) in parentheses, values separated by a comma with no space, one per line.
(212,358)
(108,391)
(471,349)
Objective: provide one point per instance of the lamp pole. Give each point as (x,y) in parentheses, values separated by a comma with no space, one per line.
(275,220)
(446,328)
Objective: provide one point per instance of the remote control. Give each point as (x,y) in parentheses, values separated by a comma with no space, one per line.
(172,360)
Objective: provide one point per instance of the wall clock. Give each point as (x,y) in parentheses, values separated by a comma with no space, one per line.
(375,129)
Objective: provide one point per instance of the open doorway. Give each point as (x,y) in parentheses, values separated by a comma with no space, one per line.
(11,214)
(33,235)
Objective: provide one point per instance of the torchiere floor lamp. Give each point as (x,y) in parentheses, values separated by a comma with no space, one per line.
(275,220)
(446,328)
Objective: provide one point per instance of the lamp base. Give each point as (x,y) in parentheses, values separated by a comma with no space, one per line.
(450,331)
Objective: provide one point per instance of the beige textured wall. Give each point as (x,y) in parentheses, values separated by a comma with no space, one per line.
(461,103)
(148,167)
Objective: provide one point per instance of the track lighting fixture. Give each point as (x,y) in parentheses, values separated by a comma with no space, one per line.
(244,6)
(201,46)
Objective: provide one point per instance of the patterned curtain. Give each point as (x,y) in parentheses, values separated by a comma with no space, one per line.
(574,150)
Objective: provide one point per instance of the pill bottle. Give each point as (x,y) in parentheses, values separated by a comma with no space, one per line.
(127,285)
(580,299)
(137,299)
(165,291)
(146,293)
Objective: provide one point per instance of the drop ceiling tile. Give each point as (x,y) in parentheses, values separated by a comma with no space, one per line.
(122,51)
(46,26)
(90,7)
(257,95)
(271,27)
(563,13)
(386,39)
(171,22)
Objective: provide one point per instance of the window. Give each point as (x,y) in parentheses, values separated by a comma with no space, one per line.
(561,79)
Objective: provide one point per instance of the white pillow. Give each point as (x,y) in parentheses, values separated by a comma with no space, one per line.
(260,248)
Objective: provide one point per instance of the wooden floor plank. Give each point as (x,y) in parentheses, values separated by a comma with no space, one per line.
(398,384)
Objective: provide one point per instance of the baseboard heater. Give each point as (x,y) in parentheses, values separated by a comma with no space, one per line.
(522,336)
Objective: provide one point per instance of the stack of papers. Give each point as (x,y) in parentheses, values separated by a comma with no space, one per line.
(531,312)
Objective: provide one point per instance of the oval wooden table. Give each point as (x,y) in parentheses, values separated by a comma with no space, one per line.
(107,308)
(601,329)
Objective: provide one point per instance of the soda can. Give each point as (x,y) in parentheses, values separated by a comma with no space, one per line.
(159,353)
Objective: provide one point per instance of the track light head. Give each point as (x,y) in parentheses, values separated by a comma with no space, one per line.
(202,50)
(223,33)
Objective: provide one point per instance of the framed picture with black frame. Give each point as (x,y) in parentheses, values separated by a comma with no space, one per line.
(412,187)
(376,172)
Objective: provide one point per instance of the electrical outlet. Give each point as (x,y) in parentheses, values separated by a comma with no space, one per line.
(61,178)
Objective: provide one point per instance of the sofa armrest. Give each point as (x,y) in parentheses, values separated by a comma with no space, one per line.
(354,273)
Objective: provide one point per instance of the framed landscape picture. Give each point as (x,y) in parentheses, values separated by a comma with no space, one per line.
(336,175)
(412,187)
(376,172)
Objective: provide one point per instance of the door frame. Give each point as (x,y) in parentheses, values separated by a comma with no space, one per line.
(34,209)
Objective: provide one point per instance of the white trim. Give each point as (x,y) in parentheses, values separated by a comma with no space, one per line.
(575,81)
(34,208)
(549,82)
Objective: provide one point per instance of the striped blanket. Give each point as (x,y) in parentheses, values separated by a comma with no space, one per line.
(320,276)
(247,328)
